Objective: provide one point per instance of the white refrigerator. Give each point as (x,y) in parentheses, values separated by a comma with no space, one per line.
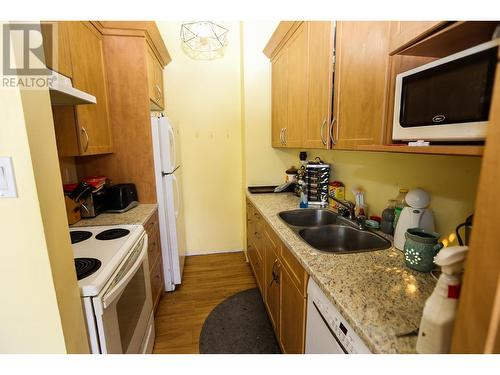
(169,195)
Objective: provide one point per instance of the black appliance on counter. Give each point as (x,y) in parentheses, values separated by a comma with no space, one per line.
(121,198)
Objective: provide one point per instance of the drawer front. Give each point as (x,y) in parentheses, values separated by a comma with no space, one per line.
(156,275)
(154,251)
(152,224)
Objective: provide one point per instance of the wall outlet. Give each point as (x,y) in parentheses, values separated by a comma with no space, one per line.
(7,181)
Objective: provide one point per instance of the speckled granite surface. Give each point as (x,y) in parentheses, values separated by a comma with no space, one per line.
(137,215)
(374,291)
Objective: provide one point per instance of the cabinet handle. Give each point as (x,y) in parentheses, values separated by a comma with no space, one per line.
(276,276)
(284,136)
(331,131)
(158,96)
(86,138)
(281,136)
(321,131)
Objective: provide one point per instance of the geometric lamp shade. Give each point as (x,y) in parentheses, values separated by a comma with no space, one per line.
(203,40)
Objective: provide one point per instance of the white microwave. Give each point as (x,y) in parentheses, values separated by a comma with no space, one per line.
(448,99)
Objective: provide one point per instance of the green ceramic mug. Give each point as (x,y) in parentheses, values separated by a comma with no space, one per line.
(420,249)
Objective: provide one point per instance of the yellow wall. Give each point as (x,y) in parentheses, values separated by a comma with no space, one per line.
(41,310)
(452,181)
(203,99)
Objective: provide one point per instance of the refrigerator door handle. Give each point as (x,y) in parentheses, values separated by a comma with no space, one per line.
(173,151)
(177,196)
(163,174)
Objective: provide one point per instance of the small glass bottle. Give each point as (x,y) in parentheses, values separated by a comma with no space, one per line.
(399,205)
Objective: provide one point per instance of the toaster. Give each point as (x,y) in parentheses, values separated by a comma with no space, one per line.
(94,203)
(121,198)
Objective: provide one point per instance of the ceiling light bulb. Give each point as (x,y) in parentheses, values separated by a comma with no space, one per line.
(204,30)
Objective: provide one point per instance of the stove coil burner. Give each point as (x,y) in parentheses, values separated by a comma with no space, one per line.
(79,236)
(112,234)
(86,267)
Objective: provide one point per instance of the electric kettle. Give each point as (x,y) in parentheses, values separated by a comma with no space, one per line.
(415,215)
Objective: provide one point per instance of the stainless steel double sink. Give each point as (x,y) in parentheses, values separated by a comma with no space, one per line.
(326,231)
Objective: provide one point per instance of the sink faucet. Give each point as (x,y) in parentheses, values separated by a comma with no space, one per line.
(346,205)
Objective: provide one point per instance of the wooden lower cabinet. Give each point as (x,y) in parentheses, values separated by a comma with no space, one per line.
(272,279)
(282,282)
(257,265)
(155,260)
(293,316)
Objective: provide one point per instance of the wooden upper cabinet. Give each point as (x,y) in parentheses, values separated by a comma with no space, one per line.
(297,102)
(57,32)
(405,33)
(85,129)
(361,82)
(155,82)
(279,98)
(301,83)
(316,133)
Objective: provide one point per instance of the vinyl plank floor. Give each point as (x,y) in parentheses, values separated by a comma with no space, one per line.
(207,281)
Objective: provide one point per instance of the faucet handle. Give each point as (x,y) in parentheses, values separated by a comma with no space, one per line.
(361,221)
(343,211)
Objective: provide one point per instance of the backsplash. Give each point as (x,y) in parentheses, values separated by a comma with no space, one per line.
(451,180)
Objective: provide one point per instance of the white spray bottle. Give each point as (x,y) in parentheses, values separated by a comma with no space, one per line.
(436,326)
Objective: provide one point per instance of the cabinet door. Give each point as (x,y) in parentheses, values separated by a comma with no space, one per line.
(297,52)
(404,33)
(272,283)
(257,265)
(155,78)
(293,313)
(361,78)
(159,84)
(316,132)
(93,128)
(477,328)
(57,32)
(279,97)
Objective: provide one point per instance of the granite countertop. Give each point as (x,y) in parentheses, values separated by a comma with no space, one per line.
(136,215)
(374,291)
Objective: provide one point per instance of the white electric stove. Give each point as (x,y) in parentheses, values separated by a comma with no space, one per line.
(113,276)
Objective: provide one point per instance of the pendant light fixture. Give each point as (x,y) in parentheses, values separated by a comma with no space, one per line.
(203,40)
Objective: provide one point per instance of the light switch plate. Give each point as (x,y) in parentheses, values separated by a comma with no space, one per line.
(7,181)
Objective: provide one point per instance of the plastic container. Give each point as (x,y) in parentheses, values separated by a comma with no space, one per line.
(400,203)
(387,224)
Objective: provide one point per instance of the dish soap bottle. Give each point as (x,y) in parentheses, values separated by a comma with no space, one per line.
(303,195)
(399,205)
(387,225)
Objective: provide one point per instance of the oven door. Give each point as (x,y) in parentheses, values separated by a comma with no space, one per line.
(124,308)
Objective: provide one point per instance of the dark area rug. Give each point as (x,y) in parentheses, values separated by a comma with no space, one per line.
(239,325)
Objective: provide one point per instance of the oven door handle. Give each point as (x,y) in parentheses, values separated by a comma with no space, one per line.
(111,294)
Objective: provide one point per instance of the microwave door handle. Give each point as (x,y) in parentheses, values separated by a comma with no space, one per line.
(112,294)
